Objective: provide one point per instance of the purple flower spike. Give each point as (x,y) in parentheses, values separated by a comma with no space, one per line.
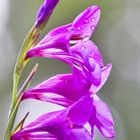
(61,125)
(76,91)
(45,11)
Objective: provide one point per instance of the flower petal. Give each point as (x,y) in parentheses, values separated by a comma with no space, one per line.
(88,53)
(61,123)
(85,24)
(83,108)
(87,49)
(104,76)
(78,134)
(34,136)
(101,117)
(60,89)
(50,46)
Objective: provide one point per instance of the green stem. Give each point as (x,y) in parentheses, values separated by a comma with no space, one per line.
(15,88)
(29,42)
(20,64)
(16,103)
(11,121)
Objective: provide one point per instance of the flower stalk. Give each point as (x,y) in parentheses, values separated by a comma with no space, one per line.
(14,111)
(75,91)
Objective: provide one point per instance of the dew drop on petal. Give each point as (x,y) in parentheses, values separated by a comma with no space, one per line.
(83,47)
(86,21)
(92,28)
(93,19)
(79,28)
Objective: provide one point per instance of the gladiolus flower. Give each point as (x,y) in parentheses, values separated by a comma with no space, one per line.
(62,90)
(75,91)
(67,124)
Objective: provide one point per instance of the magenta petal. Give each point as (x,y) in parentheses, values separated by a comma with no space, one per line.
(62,123)
(78,134)
(88,53)
(85,24)
(84,113)
(104,76)
(101,117)
(59,30)
(50,46)
(60,89)
(34,136)
(85,50)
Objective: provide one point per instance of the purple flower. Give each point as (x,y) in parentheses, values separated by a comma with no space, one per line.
(70,43)
(82,27)
(84,57)
(63,90)
(45,11)
(60,125)
(56,44)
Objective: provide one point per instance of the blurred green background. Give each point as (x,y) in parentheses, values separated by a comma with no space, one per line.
(117,36)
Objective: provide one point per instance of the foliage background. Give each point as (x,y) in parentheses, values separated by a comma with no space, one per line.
(117,36)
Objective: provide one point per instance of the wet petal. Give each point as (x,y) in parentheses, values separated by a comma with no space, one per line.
(88,53)
(87,49)
(85,24)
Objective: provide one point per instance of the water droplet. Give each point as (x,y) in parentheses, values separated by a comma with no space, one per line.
(69,29)
(93,19)
(79,28)
(92,28)
(86,21)
(83,47)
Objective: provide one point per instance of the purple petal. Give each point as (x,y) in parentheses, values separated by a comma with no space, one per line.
(101,117)
(83,108)
(104,76)
(61,123)
(78,134)
(45,11)
(60,89)
(87,49)
(85,24)
(49,46)
(59,30)
(88,53)
(34,136)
